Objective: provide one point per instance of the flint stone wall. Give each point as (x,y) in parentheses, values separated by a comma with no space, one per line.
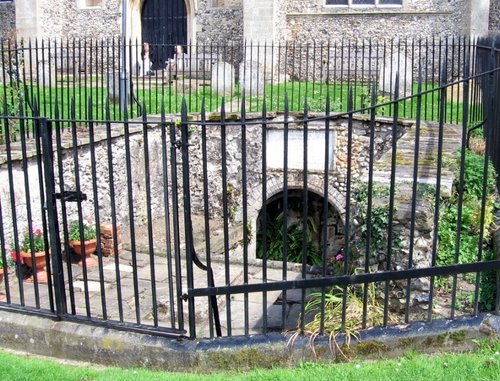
(495,16)
(101,200)
(7,19)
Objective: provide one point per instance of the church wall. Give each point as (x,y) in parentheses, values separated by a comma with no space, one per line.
(308,21)
(7,19)
(495,15)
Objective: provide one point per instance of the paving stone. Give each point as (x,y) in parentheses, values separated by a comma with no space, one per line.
(123,268)
(79,286)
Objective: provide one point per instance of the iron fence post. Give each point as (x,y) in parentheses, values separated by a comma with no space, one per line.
(50,207)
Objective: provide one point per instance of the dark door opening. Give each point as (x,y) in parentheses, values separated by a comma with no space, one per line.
(164,25)
(314,228)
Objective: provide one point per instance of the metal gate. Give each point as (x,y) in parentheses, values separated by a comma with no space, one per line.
(96,186)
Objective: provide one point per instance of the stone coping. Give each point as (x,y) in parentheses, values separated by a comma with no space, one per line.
(101,345)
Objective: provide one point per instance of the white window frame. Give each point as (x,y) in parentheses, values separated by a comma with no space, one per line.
(374,5)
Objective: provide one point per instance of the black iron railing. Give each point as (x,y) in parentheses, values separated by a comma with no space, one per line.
(236,219)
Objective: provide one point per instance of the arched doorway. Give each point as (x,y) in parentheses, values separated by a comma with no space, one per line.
(164,25)
(315,228)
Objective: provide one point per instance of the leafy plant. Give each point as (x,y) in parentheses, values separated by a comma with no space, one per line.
(89,231)
(488,282)
(333,312)
(470,222)
(36,235)
(471,213)
(379,222)
(295,240)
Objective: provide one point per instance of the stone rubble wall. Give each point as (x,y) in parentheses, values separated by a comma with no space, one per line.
(495,16)
(102,178)
(312,21)
(221,21)
(7,19)
(274,177)
(65,19)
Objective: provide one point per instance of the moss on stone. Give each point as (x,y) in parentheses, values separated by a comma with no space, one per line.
(370,347)
(458,336)
(247,358)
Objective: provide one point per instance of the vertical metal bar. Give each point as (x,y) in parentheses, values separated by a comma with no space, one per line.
(206,207)
(76,170)
(264,215)
(373,111)
(187,216)
(305,211)
(175,213)
(12,197)
(166,203)
(392,191)
(225,213)
(55,245)
(245,210)
(4,255)
(42,212)
(414,194)
(28,207)
(326,205)
(347,225)
(437,200)
(461,181)
(113,214)
(150,217)
(286,126)
(93,165)
(130,202)
(491,113)
(69,269)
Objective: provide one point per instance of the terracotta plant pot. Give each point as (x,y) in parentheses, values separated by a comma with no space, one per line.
(38,267)
(88,249)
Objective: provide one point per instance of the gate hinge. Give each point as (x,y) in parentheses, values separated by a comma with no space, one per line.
(185,297)
(71,196)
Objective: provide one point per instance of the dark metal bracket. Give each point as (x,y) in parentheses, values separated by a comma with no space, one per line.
(71,196)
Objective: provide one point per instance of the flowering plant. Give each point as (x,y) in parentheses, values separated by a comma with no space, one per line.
(9,260)
(74,231)
(36,235)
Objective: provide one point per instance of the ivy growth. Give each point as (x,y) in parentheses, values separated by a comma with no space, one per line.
(379,222)
(470,223)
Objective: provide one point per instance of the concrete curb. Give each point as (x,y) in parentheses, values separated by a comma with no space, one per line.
(68,340)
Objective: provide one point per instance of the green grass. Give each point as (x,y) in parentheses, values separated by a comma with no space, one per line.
(482,364)
(151,95)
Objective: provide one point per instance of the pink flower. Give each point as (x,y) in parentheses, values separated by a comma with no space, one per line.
(15,257)
(38,232)
(339,257)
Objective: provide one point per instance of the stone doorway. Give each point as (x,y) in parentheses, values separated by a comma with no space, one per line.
(315,229)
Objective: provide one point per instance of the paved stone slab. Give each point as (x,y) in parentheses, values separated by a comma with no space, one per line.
(92,286)
(123,268)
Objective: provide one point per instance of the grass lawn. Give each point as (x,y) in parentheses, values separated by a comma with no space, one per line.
(151,94)
(482,364)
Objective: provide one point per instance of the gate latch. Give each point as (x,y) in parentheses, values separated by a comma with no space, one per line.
(71,196)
